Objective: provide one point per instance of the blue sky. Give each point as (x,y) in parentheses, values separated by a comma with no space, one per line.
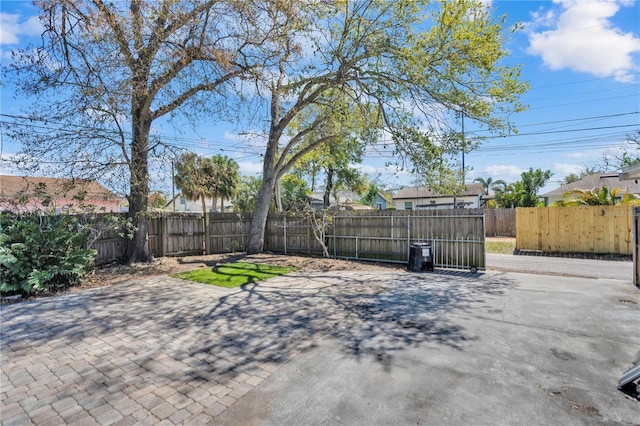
(581,59)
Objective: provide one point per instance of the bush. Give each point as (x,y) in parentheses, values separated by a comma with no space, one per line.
(40,254)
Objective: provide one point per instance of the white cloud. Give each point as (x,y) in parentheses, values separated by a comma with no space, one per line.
(249,168)
(505,172)
(365,168)
(12,27)
(584,39)
(566,168)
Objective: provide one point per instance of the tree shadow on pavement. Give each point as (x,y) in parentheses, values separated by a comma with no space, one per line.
(174,332)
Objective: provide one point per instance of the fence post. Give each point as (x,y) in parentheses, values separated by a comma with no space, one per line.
(408,235)
(309,239)
(207,243)
(284,231)
(335,227)
(162,237)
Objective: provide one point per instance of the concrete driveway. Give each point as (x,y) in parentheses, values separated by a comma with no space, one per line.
(574,267)
(325,348)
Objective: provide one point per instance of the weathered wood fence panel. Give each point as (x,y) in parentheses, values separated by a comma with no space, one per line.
(109,243)
(575,229)
(228,232)
(500,222)
(457,235)
(177,234)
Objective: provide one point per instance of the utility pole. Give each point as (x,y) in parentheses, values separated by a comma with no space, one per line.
(173,186)
(463,146)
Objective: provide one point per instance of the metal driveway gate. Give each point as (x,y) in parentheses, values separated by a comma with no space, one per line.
(456,236)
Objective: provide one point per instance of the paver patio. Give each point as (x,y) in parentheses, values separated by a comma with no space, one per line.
(161,349)
(166,351)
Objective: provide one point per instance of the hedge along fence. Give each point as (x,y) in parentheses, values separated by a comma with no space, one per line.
(457,235)
(575,229)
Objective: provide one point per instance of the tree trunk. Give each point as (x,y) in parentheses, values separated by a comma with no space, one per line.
(269,180)
(278,197)
(138,248)
(328,188)
(204,204)
(260,214)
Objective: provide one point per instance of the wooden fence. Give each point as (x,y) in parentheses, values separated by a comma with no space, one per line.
(187,234)
(500,222)
(456,235)
(583,229)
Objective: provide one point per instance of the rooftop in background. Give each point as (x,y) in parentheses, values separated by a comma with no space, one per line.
(631,172)
(28,194)
(596,181)
(425,192)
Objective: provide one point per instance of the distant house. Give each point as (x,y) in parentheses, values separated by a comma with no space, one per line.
(593,182)
(181,204)
(345,200)
(631,172)
(421,198)
(28,194)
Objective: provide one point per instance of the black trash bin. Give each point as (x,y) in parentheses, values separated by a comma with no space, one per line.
(420,257)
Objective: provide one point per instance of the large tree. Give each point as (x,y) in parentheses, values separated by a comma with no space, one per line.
(523,193)
(400,64)
(106,66)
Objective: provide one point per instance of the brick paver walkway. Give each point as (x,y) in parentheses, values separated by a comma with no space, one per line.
(166,351)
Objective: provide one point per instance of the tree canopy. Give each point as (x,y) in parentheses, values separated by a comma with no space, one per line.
(523,193)
(397,66)
(106,66)
(383,72)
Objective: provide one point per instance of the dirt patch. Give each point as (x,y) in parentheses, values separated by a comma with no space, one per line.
(170,265)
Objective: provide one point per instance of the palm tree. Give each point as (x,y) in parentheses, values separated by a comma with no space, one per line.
(227,177)
(190,178)
(487,184)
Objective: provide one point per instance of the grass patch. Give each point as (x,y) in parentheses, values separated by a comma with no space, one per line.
(500,247)
(235,274)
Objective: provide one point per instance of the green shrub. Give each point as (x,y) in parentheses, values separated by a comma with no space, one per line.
(40,254)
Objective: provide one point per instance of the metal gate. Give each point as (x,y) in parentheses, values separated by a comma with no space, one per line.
(456,236)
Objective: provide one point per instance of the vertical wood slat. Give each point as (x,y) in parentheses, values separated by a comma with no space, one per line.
(575,229)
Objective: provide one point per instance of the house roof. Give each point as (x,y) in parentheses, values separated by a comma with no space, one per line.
(12,187)
(425,192)
(596,181)
(631,172)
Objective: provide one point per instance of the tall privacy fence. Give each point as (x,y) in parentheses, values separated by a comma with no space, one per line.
(575,229)
(500,222)
(457,236)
